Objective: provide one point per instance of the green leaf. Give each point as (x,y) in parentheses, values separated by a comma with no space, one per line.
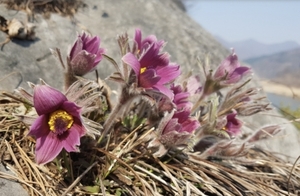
(91,189)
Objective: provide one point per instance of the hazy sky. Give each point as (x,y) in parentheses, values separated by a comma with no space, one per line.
(265,21)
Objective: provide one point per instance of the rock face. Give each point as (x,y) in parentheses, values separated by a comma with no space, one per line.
(31,60)
(186,39)
(10,188)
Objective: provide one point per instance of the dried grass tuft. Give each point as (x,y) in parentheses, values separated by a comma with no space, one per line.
(46,7)
(124,166)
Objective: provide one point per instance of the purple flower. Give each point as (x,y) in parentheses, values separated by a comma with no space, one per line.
(230,71)
(85,54)
(233,125)
(152,68)
(58,125)
(178,129)
(181,98)
(193,85)
(143,44)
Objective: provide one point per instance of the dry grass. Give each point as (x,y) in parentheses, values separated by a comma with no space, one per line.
(124,166)
(45,7)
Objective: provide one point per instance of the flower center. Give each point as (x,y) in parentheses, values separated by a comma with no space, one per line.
(60,121)
(143,70)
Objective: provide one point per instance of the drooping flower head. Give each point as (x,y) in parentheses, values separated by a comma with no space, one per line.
(58,126)
(85,54)
(230,70)
(233,125)
(152,68)
(178,129)
(178,126)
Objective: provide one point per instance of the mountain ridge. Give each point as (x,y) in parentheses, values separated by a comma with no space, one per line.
(251,48)
(282,67)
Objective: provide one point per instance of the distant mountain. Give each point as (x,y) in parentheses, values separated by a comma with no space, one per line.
(251,48)
(283,67)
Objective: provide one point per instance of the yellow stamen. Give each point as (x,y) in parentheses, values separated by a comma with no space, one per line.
(63,116)
(143,70)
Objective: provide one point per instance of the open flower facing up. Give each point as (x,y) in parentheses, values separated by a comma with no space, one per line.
(58,125)
(152,68)
(85,54)
(230,70)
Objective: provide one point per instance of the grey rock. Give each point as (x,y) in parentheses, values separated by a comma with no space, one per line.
(10,188)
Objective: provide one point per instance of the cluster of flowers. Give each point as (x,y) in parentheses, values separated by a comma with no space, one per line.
(146,72)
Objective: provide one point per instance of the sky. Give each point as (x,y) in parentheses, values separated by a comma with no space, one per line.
(269,22)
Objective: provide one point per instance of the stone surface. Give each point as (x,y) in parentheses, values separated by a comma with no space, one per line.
(29,61)
(10,188)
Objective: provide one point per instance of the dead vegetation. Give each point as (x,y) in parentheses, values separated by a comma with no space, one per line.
(126,167)
(45,7)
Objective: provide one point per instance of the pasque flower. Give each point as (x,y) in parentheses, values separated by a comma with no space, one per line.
(143,44)
(233,125)
(58,126)
(181,125)
(85,54)
(178,129)
(181,98)
(152,68)
(230,70)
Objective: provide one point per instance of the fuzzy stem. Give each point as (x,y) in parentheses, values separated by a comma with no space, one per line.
(109,122)
(69,79)
(197,104)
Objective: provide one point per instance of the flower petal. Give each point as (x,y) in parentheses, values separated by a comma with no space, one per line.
(152,59)
(92,45)
(168,73)
(72,140)
(233,126)
(47,99)
(138,38)
(48,146)
(83,63)
(227,66)
(148,78)
(172,125)
(39,127)
(237,75)
(133,62)
(77,47)
(99,56)
(71,108)
(190,125)
(164,90)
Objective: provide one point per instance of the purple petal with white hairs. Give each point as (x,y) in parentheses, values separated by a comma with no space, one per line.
(227,66)
(237,75)
(77,47)
(83,63)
